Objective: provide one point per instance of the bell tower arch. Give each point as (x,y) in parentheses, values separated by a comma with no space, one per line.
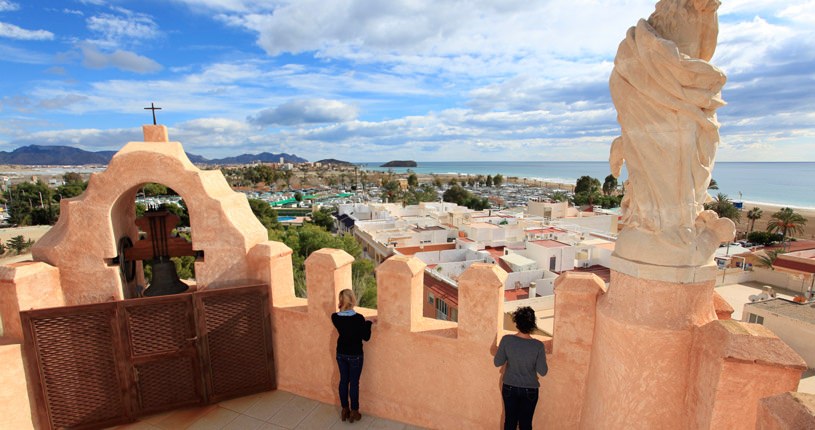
(84,241)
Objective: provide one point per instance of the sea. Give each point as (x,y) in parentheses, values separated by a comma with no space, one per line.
(775,183)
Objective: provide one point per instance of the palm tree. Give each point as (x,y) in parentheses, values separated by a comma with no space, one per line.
(767,259)
(786,221)
(724,207)
(753,215)
(713,185)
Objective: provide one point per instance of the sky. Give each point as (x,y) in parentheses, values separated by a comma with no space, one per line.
(374,80)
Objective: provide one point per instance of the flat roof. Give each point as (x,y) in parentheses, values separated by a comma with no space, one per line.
(549,243)
(483,225)
(517,259)
(787,308)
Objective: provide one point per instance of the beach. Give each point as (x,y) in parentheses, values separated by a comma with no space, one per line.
(767,210)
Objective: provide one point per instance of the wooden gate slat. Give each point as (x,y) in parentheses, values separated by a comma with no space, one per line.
(237,341)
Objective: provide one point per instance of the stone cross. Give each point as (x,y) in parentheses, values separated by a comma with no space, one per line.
(154,109)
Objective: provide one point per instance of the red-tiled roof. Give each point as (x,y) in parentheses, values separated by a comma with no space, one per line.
(603,272)
(516,294)
(410,250)
(798,245)
(441,289)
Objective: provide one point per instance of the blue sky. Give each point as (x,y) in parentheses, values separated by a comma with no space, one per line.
(371,80)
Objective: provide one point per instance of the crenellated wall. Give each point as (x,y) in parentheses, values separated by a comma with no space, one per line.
(439,374)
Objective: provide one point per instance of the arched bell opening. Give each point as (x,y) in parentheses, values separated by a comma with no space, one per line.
(154,245)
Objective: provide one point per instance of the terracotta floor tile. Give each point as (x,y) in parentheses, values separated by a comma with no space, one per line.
(383,424)
(154,419)
(296,410)
(268,404)
(270,426)
(138,425)
(241,404)
(322,417)
(244,422)
(184,418)
(345,425)
(214,420)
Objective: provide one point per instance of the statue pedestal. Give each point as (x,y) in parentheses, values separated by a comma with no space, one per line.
(641,355)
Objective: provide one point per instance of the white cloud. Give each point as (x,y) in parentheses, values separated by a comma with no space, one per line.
(8,6)
(12,31)
(24,56)
(127,29)
(123,60)
(305,111)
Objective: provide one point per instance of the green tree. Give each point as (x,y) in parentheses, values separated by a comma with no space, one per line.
(609,185)
(498,180)
(767,259)
(724,207)
(413,180)
(71,189)
(71,177)
(763,237)
(18,244)
(180,210)
(460,196)
(264,213)
(587,184)
(713,185)
(298,196)
(31,204)
(786,221)
(324,218)
(437,182)
(559,196)
(753,215)
(488,181)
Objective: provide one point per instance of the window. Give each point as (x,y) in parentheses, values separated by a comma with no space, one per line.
(441,310)
(552,264)
(454,314)
(430,298)
(757,319)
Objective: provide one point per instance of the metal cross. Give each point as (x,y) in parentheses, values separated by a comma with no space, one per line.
(154,109)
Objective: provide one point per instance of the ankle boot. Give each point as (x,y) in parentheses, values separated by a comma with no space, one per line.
(345,413)
(355,416)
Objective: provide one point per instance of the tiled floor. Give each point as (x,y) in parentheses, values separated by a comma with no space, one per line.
(273,410)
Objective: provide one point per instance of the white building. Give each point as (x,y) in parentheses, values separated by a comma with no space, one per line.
(793,322)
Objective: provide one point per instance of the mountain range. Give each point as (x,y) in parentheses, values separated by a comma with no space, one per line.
(70,156)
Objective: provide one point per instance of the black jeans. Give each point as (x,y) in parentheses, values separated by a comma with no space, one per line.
(350,370)
(519,406)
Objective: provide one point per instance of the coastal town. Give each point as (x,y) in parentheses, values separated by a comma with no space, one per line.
(215,214)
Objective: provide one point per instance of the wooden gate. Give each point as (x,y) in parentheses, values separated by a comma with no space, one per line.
(98,365)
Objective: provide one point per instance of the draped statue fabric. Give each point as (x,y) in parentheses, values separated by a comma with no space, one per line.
(666,102)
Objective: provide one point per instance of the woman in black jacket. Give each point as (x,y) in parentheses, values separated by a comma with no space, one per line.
(353,329)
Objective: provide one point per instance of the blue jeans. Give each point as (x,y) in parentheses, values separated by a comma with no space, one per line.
(350,370)
(519,406)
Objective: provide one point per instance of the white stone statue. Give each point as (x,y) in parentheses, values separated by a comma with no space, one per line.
(666,94)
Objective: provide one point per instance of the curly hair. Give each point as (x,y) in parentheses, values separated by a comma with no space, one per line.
(524,319)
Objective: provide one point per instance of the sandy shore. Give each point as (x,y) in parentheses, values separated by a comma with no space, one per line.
(768,210)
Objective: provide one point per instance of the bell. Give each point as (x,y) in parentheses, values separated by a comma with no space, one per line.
(165,280)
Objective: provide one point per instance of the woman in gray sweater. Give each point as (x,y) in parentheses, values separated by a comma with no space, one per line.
(525,359)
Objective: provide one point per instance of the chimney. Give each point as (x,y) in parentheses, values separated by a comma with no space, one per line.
(533,290)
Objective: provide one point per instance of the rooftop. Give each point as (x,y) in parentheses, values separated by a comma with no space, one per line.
(549,243)
(797,311)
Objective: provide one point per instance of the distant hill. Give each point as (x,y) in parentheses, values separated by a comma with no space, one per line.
(400,163)
(265,157)
(335,161)
(70,156)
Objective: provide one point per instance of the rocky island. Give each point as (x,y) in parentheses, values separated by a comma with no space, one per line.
(400,163)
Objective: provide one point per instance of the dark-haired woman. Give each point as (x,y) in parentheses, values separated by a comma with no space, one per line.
(525,359)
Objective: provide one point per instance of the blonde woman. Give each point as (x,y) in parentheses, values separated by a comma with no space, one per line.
(353,329)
